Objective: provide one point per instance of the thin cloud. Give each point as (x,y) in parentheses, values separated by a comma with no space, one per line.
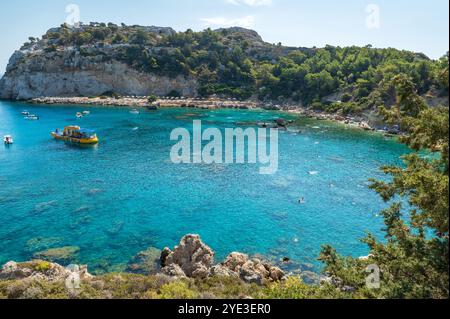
(251,3)
(244,22)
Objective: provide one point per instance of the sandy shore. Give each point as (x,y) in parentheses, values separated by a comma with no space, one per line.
(143,102)
(211,103)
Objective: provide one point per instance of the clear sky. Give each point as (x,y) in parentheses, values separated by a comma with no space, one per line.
(418,25)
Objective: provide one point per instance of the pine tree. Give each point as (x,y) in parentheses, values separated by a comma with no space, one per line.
(414,258)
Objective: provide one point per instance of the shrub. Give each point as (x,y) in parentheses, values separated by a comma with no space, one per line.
(152,98)
(346,97)
(177,290)
(294,288)
(42,266)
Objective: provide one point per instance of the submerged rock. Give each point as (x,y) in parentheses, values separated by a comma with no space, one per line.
(63,255)
(43,207)
(41,243)
(82,209)
(94,191)
(146,262)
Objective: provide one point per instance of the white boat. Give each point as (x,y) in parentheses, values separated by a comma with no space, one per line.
(31,117)
(8,139)
(134,111)
(79,115)
(25,113)
(86,112)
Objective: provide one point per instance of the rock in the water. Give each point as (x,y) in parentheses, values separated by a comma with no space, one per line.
(192,256)
(63,255)
(146,262)
(281,122)
(42,243)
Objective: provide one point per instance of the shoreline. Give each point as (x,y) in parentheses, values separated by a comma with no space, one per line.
(142,102)
(356,122)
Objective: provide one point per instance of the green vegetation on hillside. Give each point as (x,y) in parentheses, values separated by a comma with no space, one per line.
(414,259)
(237,63)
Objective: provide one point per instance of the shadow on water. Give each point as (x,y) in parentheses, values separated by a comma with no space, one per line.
(83,147)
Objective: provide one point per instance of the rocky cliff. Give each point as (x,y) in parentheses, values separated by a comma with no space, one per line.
(66,72)
(96,58)
(235,63)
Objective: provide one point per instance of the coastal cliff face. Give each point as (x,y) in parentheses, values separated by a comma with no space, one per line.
(106,59)
(99,59)
(35,73)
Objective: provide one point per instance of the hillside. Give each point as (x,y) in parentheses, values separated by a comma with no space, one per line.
(104,59)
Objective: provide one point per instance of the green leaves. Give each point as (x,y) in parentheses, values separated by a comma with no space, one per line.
(236,59)
(413,259)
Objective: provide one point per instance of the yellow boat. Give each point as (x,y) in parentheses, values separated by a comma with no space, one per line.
(75,134)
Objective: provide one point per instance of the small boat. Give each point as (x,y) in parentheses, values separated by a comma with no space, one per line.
(25,113)
(86,112)
(134,111)
(8,140)
(75,134)
(79,115)
(31,117)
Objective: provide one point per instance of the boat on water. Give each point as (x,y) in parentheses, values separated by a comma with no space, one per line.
(79,115)
(75,134)
(31,117)
(8,140)
(135,111)
(26,113)
(86,113)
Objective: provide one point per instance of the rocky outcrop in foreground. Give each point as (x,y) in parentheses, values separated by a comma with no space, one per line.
(39,269)
(190,259)
(193,259)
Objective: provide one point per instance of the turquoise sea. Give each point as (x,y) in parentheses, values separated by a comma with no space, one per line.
(125,195)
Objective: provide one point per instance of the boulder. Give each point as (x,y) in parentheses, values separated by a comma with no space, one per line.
(252,273)
(193,259)
(164,254)
(251,270)
(173,270)
(222,271)
(9,266)
(235,260)
(39,269)
(276,274)
(191,255)
(281,122)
